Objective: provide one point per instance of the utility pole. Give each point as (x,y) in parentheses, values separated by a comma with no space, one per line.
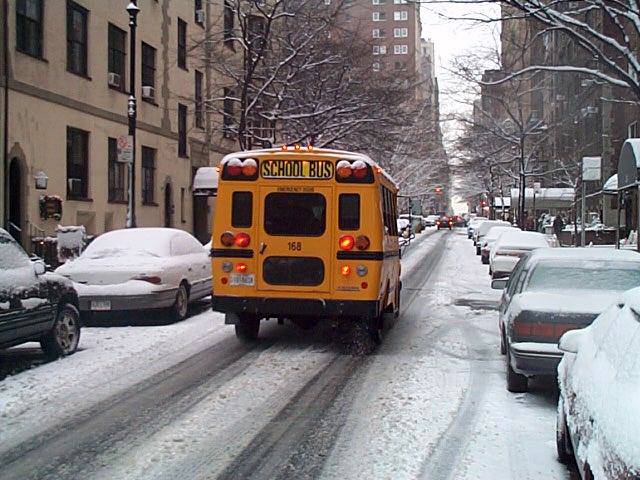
(132,10)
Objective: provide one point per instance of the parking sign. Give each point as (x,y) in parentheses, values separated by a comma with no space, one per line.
(125,149)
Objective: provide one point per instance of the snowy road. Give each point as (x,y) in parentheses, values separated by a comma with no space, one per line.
(189,401)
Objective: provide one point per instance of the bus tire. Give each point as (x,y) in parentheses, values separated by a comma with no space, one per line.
(247,328)
(396,306)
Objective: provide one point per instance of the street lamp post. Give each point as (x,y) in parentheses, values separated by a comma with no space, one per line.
(132,10)
(536,189)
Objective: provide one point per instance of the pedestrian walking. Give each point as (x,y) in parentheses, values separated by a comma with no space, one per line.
(558,226)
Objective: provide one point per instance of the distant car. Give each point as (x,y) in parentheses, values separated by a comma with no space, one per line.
(473,224)
(483,228)
(490,239)
(444,222)
(599,380)
(402,224)
(430,220)
(34,305)
(550,292)
(506,251)
(140,269)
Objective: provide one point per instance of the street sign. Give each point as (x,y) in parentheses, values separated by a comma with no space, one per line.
(125,149)
(591,168)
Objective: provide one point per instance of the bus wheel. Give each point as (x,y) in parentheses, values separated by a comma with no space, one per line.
(396,306)
(247,328)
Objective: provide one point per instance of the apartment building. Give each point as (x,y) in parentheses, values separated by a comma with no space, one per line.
(65,79)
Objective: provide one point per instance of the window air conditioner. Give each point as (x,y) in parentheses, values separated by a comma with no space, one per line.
(200,16)
(148,92)
(114,80)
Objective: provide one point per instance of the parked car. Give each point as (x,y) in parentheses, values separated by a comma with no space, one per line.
(140,269)
(550,292)
(482,230)
(35,305)
(599,400)
(430,220)
(444,222)
(473,224)
(490,239)
(509,247)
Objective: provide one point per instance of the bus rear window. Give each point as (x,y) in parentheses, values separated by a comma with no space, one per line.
(241,209)
(295,214)
(349,211)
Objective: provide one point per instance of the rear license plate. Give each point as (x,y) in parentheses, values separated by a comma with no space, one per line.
(100,305)
(243,279)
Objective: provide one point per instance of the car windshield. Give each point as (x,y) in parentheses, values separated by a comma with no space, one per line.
(123,243)
(584,275)
(11,255)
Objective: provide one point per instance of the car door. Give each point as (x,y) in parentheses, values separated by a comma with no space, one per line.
(26,309)
(188,262)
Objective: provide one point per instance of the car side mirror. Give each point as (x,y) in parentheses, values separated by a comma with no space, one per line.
(39,268)
(499,283)
(570,341)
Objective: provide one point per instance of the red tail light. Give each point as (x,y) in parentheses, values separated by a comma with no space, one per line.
(344,169)
(545,331)
(509,253)
(346,242)
(227,239)
(234,170)
(149,278)
(359,169)
(362,242)
(241,267)
(242,240)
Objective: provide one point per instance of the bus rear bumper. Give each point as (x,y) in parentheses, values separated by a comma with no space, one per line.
(295,307)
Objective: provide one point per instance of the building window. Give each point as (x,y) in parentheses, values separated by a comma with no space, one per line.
(117,174)
(148,66)
(227,109)
(182,130)
(76,38)
(402,15)
(148,175)
(29,27)
(77,164)
(378,33)
(378,16)
(198,13)
(400,49)
(376,66)
(400,2)
(401,32)
(378,2)
(117,55)
(199,111)
(379,49)
(633,130)
(182,205)
(182,44)
(228,23)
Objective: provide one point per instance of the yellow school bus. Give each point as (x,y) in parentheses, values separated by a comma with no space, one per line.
(306,235)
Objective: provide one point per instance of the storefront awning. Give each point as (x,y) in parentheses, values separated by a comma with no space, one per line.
(545,198)
(205,182)
(611,185)
(629,163)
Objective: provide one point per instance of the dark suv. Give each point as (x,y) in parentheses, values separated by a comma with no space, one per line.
(34,305)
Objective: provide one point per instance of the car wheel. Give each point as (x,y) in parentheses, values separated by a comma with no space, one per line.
(516,383)
(180,307)
(64,337)
(247,328)
(563,441)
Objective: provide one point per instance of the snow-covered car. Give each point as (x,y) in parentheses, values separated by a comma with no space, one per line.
(599,380)
(430,220)
(473,225)
(490,239)
(483,228)
(140,269)
(35,305)
(550,292)
(506,251)
(402,224)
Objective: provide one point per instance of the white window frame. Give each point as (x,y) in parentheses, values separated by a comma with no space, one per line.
(401,15)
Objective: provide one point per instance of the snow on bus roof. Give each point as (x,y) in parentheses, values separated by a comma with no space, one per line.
(316,151)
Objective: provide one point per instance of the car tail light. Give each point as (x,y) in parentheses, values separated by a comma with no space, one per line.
(362,242)
(242,240)
(227,239)
(241,267)
(149,278)
(345,270)
(346,242)
(509,253)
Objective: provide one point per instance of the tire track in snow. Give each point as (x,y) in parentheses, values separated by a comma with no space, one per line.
(69,451)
